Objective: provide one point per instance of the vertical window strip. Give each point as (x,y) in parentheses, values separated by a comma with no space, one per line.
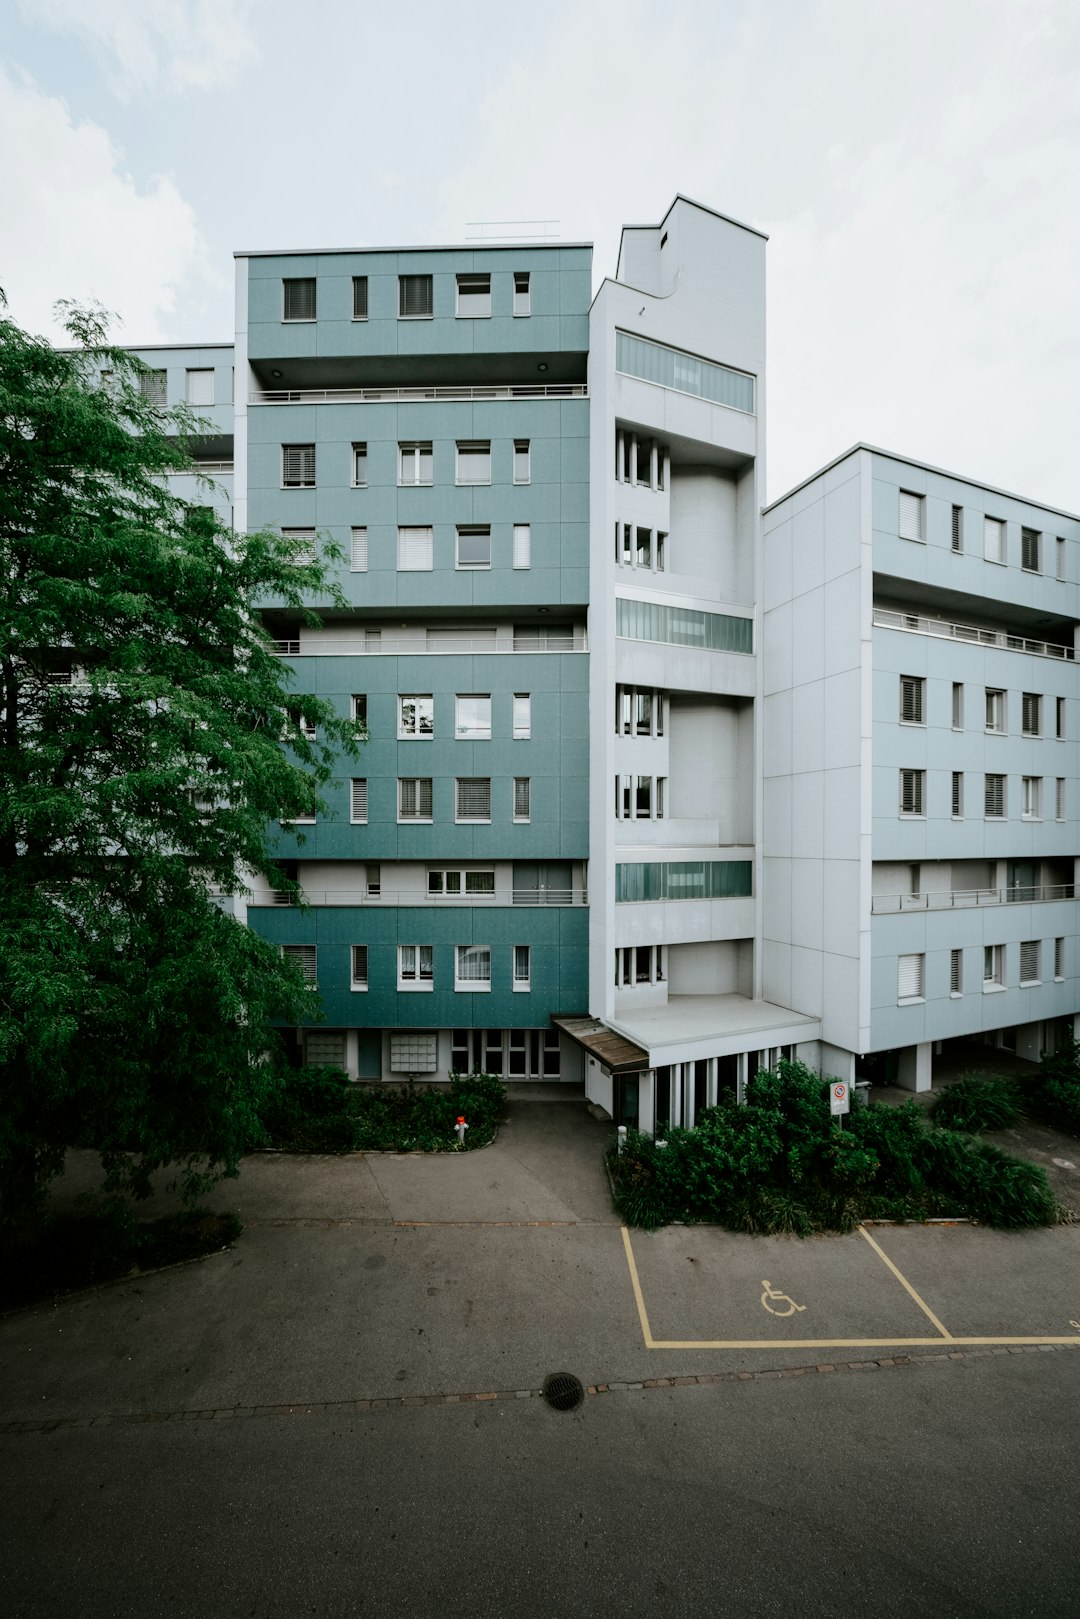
(358,551)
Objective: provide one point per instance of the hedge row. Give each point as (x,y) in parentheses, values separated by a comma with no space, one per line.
(318,1110)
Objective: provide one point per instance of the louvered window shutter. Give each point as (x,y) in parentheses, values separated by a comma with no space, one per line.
(956,971)
(522,545)
(909,980)
(994,539)
(911,699)
(359,798)
(521,798)
(416,295)
(359,297)
(358,558)
(474,798)
(1029,961)
(911,516)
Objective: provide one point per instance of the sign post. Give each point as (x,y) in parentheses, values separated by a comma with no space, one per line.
(839,1099)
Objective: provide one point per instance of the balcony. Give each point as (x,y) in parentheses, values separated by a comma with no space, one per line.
(402,646)
(886,618)
(388,898)
(966,899)
(396,396)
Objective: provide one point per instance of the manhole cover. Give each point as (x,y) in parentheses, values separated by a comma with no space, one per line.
(563,1391)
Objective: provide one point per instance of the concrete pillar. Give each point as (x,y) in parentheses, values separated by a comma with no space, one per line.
(914,1071)
(836,1063)
(620,450)
(654,466)
(352,1053)
(633,458)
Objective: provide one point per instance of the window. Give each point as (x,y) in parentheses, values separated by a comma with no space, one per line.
(640,798)
(416,715)
(359,466)
(474,798)
(522,966)
(473,461)
(956,972)
(1059,799)
(993,966)
(1059,718)
(1031,797)
(1031,708)
(910,978)
(995,710)
(912,516)
(298,466)
(1029,961)
(912,692)
(1059,558)
(305,958)
(415,550)
(472,966)
(683,626)
(415,464)
(522,461)
(415,297)
(912,791)
(302,548)
(298,298)
(522,302)
(674,368)
(994,797)
(993,539)
(638,711)
(358,966)
(474,545)
(415,966)
(639,964)
(359,297)
(522,716)
(373,877)
(414,798)
(477,884)
(521,798)
(154,387)
(522,545)
(957,794)
(957,706)
(200,387)
(473,717)
(1030,548)
(958,529)
(1059,958)
(358,801)
(358,551)
(358,707)
(473,296)
(683,879)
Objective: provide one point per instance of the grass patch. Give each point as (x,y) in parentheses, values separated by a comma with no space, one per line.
(781,1164)
(318,1110)
(62,1252)
(978,1102)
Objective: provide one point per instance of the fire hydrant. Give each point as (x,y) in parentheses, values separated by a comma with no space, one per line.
(461,1127)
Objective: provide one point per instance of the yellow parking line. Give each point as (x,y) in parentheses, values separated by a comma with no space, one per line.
(646,1330)
(904,1283)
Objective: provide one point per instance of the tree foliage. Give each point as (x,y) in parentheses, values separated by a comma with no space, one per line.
(142,716)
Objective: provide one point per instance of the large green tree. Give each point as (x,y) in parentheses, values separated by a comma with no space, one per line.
(142,716)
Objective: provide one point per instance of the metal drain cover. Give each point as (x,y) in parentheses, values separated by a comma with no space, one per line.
(563,1391)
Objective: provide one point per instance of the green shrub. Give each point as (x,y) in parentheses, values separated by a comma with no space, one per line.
(978,1102)
(1053,1095)
(319,1110)
(988,1184)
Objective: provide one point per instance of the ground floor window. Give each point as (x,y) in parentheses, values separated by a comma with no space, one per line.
(513,1053)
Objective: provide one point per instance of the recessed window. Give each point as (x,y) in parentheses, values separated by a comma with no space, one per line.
(1059,558)
(956,972)
(298,298)
(373,876)
(994,797)
(640,798)
(415,297)
(912,694)
(912,792)
(358,978)
(912,518)
(415,550)
(415,464)
(358,551)
(474,546)
(298,466)
(1030,549)
(1029,961)
(1031,711)
(358,801)
(1059,798)
(473,461)
(414,798)
(302,547)
(522,545)
(993,966)
(638,711)
(957,706)
(358,707)
(359,297)
(416,966)
(200,387)
(522,966)
(359,466)
(472,967)
(639,964)
(416,715)
(474,798)
(453,884)
(957,794)
(957,534)
(154,387)
(473,297)
(522,299)
(522,798)
(1059,718)
(472,721)
(910,978)
(994,539)
(1031,797)
(522,716)
(522,461)
(305,958)
(1059,958)
(995,710)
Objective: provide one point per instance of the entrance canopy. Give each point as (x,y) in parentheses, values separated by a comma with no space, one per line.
(614,1051)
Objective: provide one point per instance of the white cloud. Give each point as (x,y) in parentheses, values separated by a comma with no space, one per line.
(150,45)
(77,226)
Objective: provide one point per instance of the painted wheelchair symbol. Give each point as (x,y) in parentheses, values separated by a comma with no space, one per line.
(772,1295)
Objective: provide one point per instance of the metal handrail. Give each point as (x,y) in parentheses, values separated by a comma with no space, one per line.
(398,647)
(377,396)
(967,898)
(916,623)
(363,896)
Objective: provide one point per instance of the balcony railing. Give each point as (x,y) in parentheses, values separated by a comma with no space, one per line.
(207,468)
(966,899)
(390,897)
(383,396)
(887,619)
(403,646)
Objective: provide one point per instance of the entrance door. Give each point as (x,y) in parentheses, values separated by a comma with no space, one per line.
(1023,878)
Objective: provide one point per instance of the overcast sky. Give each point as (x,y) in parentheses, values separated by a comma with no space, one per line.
(916,166)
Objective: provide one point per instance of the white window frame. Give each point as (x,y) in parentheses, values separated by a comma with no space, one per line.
(472,302)
(521,958)
(958,795)
(464,786)
(522,795)
(358,801)
(358,967)
(1031,713)
(358,707)
(358,475)
(302,457)
(1059,798)
(457,882)
(522,554)
(472,531)
(412,455)
(1031,798)
(1059,718)
(912,700)
(522,293)
(1059,960)
(996,712)
(413,728)
(913,794)
(154,387)
(414,787)
(359,281)
(993,968)
(958,705)
(478,955)
(995,540)
(1000,795)
(358,550)
(415,548)
(307,956)
(522,717)
(415,968)
(1031,546)
(1030,962)
(956,535)
(911,516)
(522,460)
(1059,558)
(303,543)
(480,731)
(201,371)
(956,974)
(472,452)
(404,290)
(911,978)
(299,281)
